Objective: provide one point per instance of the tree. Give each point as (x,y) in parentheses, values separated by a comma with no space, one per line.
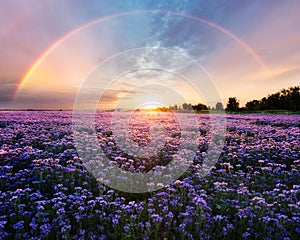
(286,99)
(293,98)
(264,104)
(200,107)
(253,105)
(219,106)
(187,106)
(232,105)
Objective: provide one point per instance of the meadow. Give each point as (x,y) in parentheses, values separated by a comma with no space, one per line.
(252,192)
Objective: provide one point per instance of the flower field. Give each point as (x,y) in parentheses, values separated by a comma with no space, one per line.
(252,192)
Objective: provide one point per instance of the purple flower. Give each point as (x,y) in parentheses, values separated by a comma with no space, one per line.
(33,224)
(156,218)
(126,227)
(19,225)
(170,215)
(218,217)
(45,229)
(2,224)
(245,235)
(115,221)
(199,201)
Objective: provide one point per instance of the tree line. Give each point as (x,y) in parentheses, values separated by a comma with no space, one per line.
(285,99)
(196,107)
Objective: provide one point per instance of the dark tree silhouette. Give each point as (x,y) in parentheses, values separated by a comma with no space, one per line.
(200,107)
(184,106)
(232,105)
(219,106)
(253,105)
(286,99)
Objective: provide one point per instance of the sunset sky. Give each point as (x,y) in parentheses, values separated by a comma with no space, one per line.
(50,49)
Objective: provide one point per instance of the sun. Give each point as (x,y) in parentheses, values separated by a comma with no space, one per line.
(151,106)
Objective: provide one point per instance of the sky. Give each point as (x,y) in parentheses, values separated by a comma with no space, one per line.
(128,54)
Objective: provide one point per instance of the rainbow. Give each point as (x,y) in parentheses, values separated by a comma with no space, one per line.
(65,37)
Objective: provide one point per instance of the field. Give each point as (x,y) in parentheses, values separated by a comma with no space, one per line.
(252,192)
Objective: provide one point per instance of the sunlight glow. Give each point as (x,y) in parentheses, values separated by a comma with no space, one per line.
(151,106)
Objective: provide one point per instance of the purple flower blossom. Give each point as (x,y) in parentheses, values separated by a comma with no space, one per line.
(19,225)
(46,191)
(45,229)
(246,235)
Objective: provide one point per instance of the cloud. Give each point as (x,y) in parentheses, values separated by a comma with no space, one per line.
(115,95)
